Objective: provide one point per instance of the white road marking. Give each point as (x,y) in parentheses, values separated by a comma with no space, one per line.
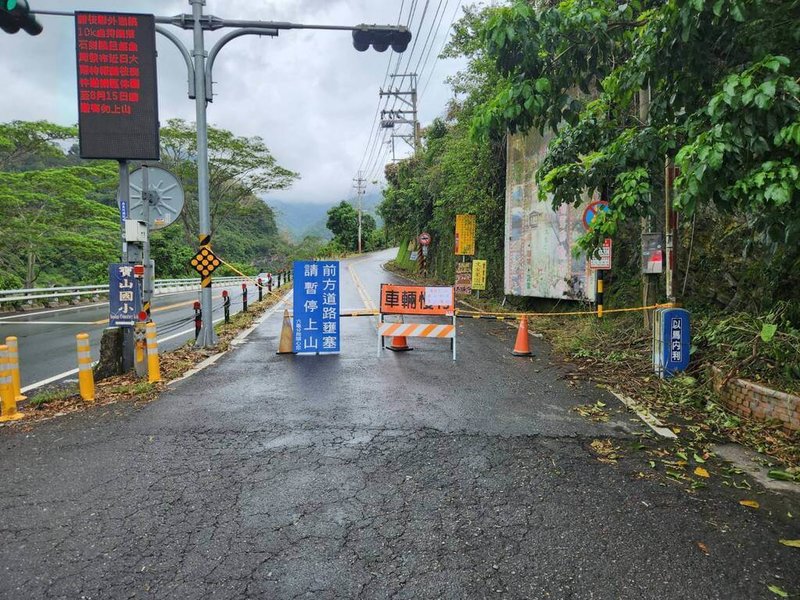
(49,323)
(65,374)
(39,384)
(49,312)
(645,415)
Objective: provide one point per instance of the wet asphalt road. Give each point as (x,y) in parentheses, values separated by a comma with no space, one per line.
(403,476)
(47,338)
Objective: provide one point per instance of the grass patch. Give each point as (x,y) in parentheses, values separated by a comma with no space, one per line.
(42,399)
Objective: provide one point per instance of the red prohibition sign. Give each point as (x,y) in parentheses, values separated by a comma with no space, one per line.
(590,212)
(424,239)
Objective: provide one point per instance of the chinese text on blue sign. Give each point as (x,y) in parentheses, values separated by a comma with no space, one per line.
(123,296)
(675,339)
(316,307)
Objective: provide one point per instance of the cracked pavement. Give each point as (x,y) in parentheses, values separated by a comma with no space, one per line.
(404,476)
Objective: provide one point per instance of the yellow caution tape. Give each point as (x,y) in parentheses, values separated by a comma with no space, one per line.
(250,279)
(505,315)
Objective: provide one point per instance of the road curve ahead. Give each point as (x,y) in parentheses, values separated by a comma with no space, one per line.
(358,476)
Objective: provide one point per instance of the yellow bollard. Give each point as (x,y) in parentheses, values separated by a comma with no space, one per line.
(13,365)
(85,375)
(8,404)
(153,368)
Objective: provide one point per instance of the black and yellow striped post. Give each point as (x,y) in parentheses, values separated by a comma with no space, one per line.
(8,404)
(260,287)
(85,375)
(599,293)
(244,297)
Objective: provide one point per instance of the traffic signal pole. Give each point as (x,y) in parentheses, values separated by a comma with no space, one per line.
(208,336)
(199,67)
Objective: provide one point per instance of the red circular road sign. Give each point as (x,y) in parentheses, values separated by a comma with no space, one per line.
(138,270)
(590,212)
(142,316)
(424,238)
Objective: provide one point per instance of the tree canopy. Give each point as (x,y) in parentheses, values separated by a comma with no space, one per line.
(624,85)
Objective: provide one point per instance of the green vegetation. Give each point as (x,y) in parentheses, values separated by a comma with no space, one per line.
(343,223)
(57,395)
(451,174)
(59,222)
(627,88)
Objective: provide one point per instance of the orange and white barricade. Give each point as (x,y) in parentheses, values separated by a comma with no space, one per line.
(416,300)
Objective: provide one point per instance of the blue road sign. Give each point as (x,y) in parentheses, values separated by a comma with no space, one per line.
(316,307)
(675,341)
(123,210)
(123,296)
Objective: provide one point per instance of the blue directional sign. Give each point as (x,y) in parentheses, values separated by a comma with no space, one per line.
(316,307)
(123,296)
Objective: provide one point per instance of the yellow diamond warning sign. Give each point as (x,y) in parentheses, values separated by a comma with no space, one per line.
(205,262)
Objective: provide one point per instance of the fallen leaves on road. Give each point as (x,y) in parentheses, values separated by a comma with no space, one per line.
(792,543)
(594,411)
(605,451)
(777,591)
(701,472)
(703,548)
(750,503)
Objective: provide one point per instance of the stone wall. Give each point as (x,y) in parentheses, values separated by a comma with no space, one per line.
(757,402)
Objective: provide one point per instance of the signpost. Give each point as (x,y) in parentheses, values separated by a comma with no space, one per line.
(465,235)
(464,278)
(117,91)
(316,307)
(123,296)
(591,211)
(601,260)
(478,275)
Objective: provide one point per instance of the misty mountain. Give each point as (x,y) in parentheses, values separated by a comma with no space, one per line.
(300,219)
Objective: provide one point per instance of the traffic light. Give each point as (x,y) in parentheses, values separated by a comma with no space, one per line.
(380,38)
(15,15)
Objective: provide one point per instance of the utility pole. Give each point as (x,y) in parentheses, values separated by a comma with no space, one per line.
(408,98)
(361,186)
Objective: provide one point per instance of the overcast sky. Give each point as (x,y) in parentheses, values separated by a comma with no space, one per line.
(309,94)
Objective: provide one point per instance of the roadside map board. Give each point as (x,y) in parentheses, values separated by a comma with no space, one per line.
(416,300)
(117,85)
(124,300)
(465,235)
(316,307)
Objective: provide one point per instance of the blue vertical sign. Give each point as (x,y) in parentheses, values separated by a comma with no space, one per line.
(123,296)
(676,340)
(316,307)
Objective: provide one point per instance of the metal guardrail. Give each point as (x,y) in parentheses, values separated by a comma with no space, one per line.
(29,295)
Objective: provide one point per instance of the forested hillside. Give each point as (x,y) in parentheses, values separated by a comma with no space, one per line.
(59,221)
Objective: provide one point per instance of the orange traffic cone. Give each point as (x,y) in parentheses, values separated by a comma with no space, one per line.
(399,344)
(285,345)
(521,347)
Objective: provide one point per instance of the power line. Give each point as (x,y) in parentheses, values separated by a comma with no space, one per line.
(428,37)
(385,78)
(444,43)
